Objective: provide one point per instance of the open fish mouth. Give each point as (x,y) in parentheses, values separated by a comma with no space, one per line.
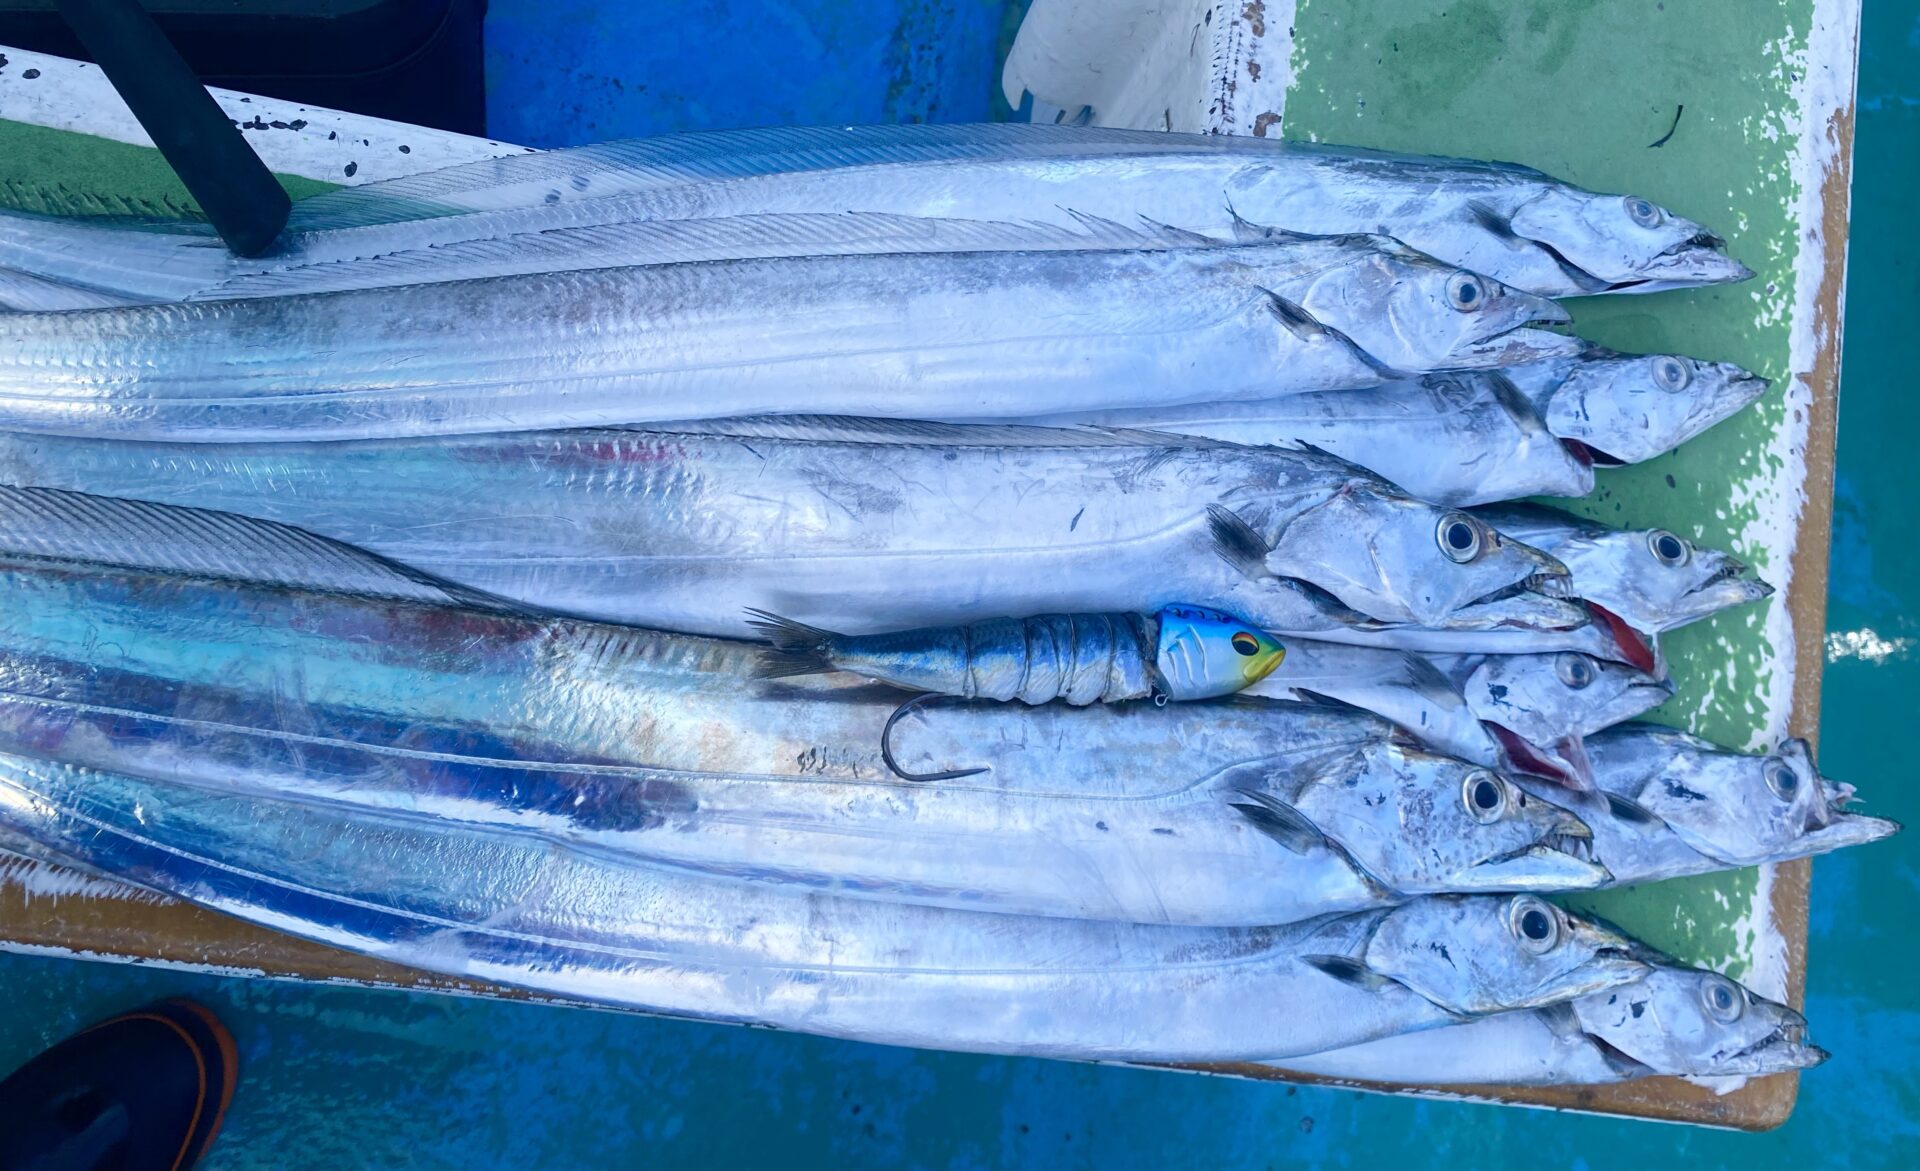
(1700,259)
(1725,587)
(1783,1049)
(1560,859)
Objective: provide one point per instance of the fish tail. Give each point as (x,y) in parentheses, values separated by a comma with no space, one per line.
(798,649)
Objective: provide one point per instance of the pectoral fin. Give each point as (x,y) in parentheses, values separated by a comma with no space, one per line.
(1278,820)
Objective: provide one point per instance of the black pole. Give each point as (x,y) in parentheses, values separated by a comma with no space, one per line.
(242,199)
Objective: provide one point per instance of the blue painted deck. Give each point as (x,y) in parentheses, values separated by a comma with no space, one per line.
(337,1078)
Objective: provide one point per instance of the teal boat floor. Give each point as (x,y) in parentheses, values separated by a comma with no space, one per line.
(343,1077)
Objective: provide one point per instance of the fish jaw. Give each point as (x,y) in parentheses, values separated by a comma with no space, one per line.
(1518,609)
(1845,829)
(1722,592)
(1700,260)
(1516,346)
(1560,861)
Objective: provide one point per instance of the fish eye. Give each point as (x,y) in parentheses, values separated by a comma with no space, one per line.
(1534,924)
(1485,796)
(1245,643)
(1781,778)
(1723,1001)
(1459,537)
(1671,373)
(1668,549)
(1466,292)
(1575,670)
(1643,212)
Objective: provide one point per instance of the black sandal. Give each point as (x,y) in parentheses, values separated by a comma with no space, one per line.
(145,1091)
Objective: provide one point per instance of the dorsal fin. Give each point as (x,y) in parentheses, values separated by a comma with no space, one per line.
(23,292)
(922,433)
(622,167)
(55,524)
(54,200)
(645,242)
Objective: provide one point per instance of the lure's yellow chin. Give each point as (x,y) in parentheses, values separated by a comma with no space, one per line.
(1262,666)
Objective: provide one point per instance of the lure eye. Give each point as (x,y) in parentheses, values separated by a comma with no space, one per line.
(1723,1002)
(1781,778)
(1246,644)
(1671,373)
(1485,797)
(1643,212)
(1575,670)
(1534,925)
(1459,537)
(1466,292)
(1668,549)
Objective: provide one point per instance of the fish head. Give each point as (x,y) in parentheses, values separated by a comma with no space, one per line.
(1479,954)
(1652,579)
(1736,808)
(1689,1022)
(1623,243)
(1626,408)
(1418,822)
(1399,559)
(1539,706)
(1430,316)
(1203,652)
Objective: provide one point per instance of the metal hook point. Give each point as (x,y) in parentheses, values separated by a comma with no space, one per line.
(886,744)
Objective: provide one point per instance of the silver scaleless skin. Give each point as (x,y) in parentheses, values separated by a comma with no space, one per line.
(869,526)
(1514,224)
(487,904)
(1675,1022)
(1099,319)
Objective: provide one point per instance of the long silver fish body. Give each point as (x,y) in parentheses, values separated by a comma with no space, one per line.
(1477,437)
(930,334)
(1512,223)
(1652,579)
(867,526)
(516,910)
(663,748)
(1674,1022)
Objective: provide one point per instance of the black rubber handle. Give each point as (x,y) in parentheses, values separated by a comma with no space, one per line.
(242,199)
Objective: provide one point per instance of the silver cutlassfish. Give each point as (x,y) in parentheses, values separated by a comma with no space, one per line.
(1515,224)
(496,906)
(1147,320)
(869,526)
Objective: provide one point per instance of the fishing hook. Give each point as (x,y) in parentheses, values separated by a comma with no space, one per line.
(886,744)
